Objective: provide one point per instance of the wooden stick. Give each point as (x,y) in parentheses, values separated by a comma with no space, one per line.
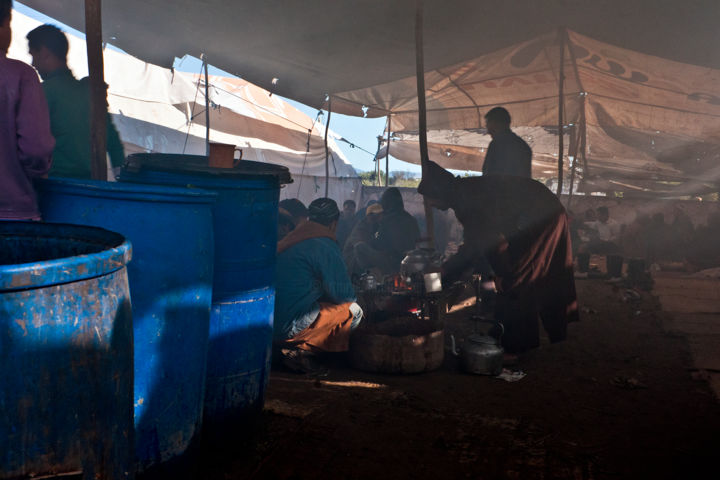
(98,90)
(422,112)
(561,103)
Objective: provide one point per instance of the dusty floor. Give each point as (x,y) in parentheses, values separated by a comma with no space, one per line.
(621,398)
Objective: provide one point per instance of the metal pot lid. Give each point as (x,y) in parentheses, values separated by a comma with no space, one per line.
(481,339)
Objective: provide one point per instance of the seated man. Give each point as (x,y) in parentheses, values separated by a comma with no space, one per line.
(347,222)
(315,308)
(364,232)
(604,235)
(397,234)
(521,228)
(297,210)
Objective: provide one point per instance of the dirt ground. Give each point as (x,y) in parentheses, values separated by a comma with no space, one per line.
(619,399)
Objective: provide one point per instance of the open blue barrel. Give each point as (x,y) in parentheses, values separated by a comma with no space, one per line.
(171,284)
(245,217)
(65,352)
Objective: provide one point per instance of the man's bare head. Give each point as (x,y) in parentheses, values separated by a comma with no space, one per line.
(5,30)
(497,120)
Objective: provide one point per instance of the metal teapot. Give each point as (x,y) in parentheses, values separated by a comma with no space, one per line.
(481,354)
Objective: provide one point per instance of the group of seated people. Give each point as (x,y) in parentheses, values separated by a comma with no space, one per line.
(648,237)
(319,248)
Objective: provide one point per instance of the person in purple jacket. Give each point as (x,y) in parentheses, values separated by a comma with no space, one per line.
(26,143)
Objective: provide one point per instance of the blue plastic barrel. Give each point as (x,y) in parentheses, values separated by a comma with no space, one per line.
(65,352)
(171,285)
(245,217)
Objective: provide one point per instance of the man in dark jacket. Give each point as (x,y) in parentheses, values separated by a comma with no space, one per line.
(507,153)
(397,234)
(522,229)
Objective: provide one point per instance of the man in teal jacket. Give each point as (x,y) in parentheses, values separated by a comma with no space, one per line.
(69,104)
(315,308)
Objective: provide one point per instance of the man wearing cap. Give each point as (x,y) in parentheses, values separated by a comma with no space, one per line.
(507,154)
(521,228)
(315,308)
(365,232)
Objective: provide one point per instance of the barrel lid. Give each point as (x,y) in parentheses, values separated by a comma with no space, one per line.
(198,165)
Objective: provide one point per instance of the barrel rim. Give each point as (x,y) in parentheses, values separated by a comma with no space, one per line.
(140,191)
(23,276)
(197,165)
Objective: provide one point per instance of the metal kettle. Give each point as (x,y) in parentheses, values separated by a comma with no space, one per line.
(481,354)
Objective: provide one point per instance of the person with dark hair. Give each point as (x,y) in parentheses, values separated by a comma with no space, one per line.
(507,154)
(68,100)
(521,228)
(397,234)
(315,308)
(347,222)
(297,210)
(26,143)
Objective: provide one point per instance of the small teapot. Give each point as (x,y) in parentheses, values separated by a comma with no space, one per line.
(481,354)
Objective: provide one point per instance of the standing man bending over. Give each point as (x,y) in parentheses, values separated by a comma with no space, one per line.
(69,103)
(26,144)
(315,308)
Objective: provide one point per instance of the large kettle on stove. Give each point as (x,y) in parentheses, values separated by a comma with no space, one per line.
(481,354)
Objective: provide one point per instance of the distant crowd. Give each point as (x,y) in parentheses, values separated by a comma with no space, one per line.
(648,237)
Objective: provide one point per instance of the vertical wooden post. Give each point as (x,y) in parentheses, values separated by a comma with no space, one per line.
(98,89)
(561,105)
(422,112)
(327,151)
(387,155)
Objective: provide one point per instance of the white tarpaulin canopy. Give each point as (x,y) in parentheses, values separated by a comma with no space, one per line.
(163,111)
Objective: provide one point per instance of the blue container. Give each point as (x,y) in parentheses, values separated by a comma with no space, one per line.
(65,351)
(245,217)
(171,285)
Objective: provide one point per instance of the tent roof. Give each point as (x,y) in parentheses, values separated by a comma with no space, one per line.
(316,47)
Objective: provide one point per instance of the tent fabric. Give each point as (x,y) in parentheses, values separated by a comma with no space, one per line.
(160,110)
(642,116)
(316,47)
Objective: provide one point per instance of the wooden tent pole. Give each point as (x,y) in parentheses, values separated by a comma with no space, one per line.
(561,104)
(387,154)
(98,89)
(422,112)
(327,151)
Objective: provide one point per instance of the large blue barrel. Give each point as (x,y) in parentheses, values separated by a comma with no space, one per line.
(171,284)
(245,217)
(65,352)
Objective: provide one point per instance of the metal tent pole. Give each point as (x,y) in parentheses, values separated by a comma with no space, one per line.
(327,151)
(387,155)
(207,105)
(561,103)
(98,89)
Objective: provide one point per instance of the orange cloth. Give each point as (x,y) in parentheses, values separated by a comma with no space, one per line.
(304,231)
(330,332)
